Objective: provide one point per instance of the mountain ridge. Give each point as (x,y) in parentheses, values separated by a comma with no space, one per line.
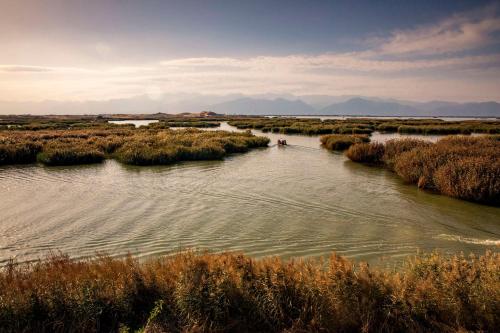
(266,104)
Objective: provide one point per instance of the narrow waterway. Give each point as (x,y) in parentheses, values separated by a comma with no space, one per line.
(298,200)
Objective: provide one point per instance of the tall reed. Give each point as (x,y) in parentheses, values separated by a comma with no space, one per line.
(341,141)
(142,146)
(462,167)
(231,292)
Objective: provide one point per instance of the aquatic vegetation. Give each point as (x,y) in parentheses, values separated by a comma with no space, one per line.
(189,145)
(395,147)
(56,153)
(341,141)
(144,146)
(185,123)
(470,178)
(307,126)
(433,129)
(316,126)
(463,167)
(370,153)
(18,152)
(230,292)
(61,125)
(472,164)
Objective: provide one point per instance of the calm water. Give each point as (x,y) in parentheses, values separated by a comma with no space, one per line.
(137,123)
(298,200)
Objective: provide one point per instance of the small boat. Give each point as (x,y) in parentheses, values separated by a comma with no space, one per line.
(281,142)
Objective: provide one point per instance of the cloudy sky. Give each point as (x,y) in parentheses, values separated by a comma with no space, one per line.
(103,49)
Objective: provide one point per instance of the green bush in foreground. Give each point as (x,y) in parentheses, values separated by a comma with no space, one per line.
(228,292)
(341,141)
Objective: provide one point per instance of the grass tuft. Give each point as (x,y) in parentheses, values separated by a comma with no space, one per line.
(231,292)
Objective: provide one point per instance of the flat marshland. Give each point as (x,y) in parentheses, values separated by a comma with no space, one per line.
(283,207)
(128,145)
(232,293)
(315,126)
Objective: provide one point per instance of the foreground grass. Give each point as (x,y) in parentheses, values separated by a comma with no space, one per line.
(461,167)
(142,146)
(235,293)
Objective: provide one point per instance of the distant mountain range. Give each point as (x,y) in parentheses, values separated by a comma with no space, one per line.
(259,105)
(255,106)
(358,106)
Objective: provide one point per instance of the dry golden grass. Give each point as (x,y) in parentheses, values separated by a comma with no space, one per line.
(234,293)
(395,147)
(370,153)
(341,141)
(458,166)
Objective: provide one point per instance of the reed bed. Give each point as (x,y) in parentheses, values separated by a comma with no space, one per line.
(369,153)
(230,292)
(70,153)
(18,152)
(196,123)
(307,126)
(341,141)
(462,167)
(312,126)
(128,145)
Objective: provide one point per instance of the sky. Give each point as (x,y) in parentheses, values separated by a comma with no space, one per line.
(72,50)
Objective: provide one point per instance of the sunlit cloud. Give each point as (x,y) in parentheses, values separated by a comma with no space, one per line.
(428,62)
(458,33)
(23,69)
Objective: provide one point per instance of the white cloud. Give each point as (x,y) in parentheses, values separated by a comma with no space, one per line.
(390,69)
(356,61)
(458,33)
(23,69)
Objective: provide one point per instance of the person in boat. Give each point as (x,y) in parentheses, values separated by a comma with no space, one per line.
(282,142)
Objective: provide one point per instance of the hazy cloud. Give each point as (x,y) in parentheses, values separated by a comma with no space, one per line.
(458,33)
(23,69)
(428,62)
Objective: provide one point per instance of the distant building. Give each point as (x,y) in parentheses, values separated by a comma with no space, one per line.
(208,114)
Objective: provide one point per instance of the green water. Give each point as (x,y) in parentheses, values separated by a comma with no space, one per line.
(299,200)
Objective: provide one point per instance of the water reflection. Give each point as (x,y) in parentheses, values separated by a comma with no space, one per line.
(299,200)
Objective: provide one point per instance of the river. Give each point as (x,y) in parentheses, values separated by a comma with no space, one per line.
(298,200)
